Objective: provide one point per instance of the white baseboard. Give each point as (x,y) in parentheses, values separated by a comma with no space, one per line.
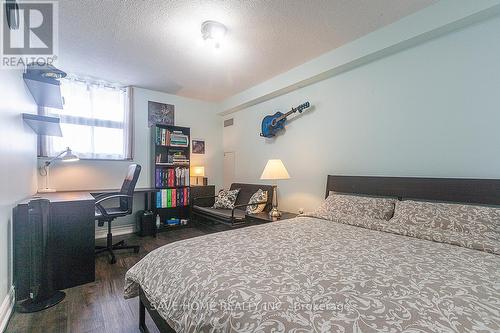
(116,231)
(6,309)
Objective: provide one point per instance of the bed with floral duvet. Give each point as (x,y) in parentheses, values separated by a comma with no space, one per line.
(356,264)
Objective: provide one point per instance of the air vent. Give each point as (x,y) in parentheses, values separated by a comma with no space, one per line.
(228,122)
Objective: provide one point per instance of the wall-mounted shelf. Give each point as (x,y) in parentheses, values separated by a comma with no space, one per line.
(46,92)
(43,125)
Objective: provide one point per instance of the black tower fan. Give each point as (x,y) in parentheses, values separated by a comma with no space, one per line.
(42,292)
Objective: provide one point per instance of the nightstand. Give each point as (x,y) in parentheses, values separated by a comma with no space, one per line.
(264,217)
(202,191)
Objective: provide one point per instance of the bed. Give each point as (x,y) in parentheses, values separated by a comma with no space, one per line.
(321,273)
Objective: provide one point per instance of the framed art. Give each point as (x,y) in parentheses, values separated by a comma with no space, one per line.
(198,146)
(160,113)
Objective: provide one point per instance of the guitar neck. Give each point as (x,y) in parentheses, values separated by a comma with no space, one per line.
(293,110)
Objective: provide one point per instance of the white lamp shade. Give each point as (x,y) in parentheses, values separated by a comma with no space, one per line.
(274,170)
(69,156)
(198,171)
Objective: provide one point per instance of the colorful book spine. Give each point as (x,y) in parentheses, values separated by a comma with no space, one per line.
(166,138)
(167,198)
(171,177)
(174,198)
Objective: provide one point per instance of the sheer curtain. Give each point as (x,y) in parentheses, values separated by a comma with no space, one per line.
(96,121)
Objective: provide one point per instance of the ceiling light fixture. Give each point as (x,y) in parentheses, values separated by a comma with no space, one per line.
(213,32)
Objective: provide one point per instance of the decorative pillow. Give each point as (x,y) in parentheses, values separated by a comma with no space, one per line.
(338,206)
(258,196)
(469,219)
(226,199)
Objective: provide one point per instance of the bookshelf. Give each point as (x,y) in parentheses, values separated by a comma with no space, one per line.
(170,175)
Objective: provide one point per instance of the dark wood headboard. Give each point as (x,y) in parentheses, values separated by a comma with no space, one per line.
(478,191)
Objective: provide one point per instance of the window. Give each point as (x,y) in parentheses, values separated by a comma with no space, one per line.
(95,122)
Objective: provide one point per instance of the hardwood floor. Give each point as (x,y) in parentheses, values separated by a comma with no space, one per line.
(100,306)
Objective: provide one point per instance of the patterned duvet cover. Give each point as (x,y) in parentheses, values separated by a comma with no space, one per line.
(313,274)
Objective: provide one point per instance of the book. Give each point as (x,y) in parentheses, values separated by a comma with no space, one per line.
(174,198)
(171,177)
(178,139)
(171,172)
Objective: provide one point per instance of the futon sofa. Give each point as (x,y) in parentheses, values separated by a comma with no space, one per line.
(202,206)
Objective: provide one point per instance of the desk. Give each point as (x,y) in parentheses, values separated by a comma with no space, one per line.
(147,191)
(71,241)
(71,238)
(203,191)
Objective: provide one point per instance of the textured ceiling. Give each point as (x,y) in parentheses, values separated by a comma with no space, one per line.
(156,44)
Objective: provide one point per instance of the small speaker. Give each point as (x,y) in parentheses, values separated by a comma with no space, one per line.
(147,223)
(228,122)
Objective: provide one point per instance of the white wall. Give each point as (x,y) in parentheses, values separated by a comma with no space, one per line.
(430,110)
(431,22)
(200,116)
(17,165)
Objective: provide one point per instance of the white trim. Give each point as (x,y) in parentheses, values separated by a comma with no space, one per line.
(7,308)
(101,232)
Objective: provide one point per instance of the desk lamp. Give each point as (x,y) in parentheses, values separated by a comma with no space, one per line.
(66,156)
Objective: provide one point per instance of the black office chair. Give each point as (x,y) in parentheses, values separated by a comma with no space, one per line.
(102,215)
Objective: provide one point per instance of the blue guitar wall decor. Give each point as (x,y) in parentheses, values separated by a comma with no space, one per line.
(273,124)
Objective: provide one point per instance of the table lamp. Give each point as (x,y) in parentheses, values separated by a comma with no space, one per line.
(198,172)
(275,170)
(66,156)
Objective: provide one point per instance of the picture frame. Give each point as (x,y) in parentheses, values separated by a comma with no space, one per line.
(198,146)
(160,113)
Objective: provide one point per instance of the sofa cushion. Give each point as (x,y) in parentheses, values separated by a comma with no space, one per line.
(220,213)
(259,196)
(226,199)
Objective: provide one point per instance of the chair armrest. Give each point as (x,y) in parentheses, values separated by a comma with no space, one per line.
(102,195)
(245,205)
(101,209)
(112,196)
